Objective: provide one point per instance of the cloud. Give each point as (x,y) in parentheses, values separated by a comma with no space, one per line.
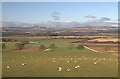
(55,15)
(67,21)
(90,16)
(105,19)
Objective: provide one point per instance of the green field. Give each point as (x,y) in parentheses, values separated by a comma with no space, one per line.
(46,64)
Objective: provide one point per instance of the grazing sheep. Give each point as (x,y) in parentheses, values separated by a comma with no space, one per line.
(103,58)
(68,69)
(59,68)
(8,67)
(95,62)
(75,61)
(77,66)
(67,61)
(23,64)
(53,60)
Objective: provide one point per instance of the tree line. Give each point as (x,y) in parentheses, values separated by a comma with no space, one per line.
(21,46)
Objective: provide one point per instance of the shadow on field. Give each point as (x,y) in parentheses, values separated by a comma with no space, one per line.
(29,49)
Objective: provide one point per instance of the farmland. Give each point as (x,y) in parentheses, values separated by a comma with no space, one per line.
(32,62)
(58,39)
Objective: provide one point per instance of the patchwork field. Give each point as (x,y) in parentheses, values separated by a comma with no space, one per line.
(61,62)
(104,48)
(105,39)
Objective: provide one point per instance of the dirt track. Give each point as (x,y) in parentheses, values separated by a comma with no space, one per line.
(91,49)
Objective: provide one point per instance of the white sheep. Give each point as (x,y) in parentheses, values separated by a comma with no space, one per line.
(95,62)
(67,61)
(8,67)
(59,68)
(23,64)
(77,66)
(68,69)
(53,60)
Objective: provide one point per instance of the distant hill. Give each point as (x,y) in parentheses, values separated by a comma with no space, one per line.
(54,24)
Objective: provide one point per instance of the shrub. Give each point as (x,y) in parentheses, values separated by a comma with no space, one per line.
(20,46)
(42,47)
(79,47)
(52,46)
(25,42)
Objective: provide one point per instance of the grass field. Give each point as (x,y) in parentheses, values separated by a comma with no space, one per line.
(46,64)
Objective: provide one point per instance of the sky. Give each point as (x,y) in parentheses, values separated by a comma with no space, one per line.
(37,12)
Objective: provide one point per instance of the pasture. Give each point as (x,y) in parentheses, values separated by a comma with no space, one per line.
(62,62)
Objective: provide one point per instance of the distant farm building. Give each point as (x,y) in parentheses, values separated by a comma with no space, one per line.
(33,42)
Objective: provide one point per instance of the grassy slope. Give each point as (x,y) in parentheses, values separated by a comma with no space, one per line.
(41,63)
